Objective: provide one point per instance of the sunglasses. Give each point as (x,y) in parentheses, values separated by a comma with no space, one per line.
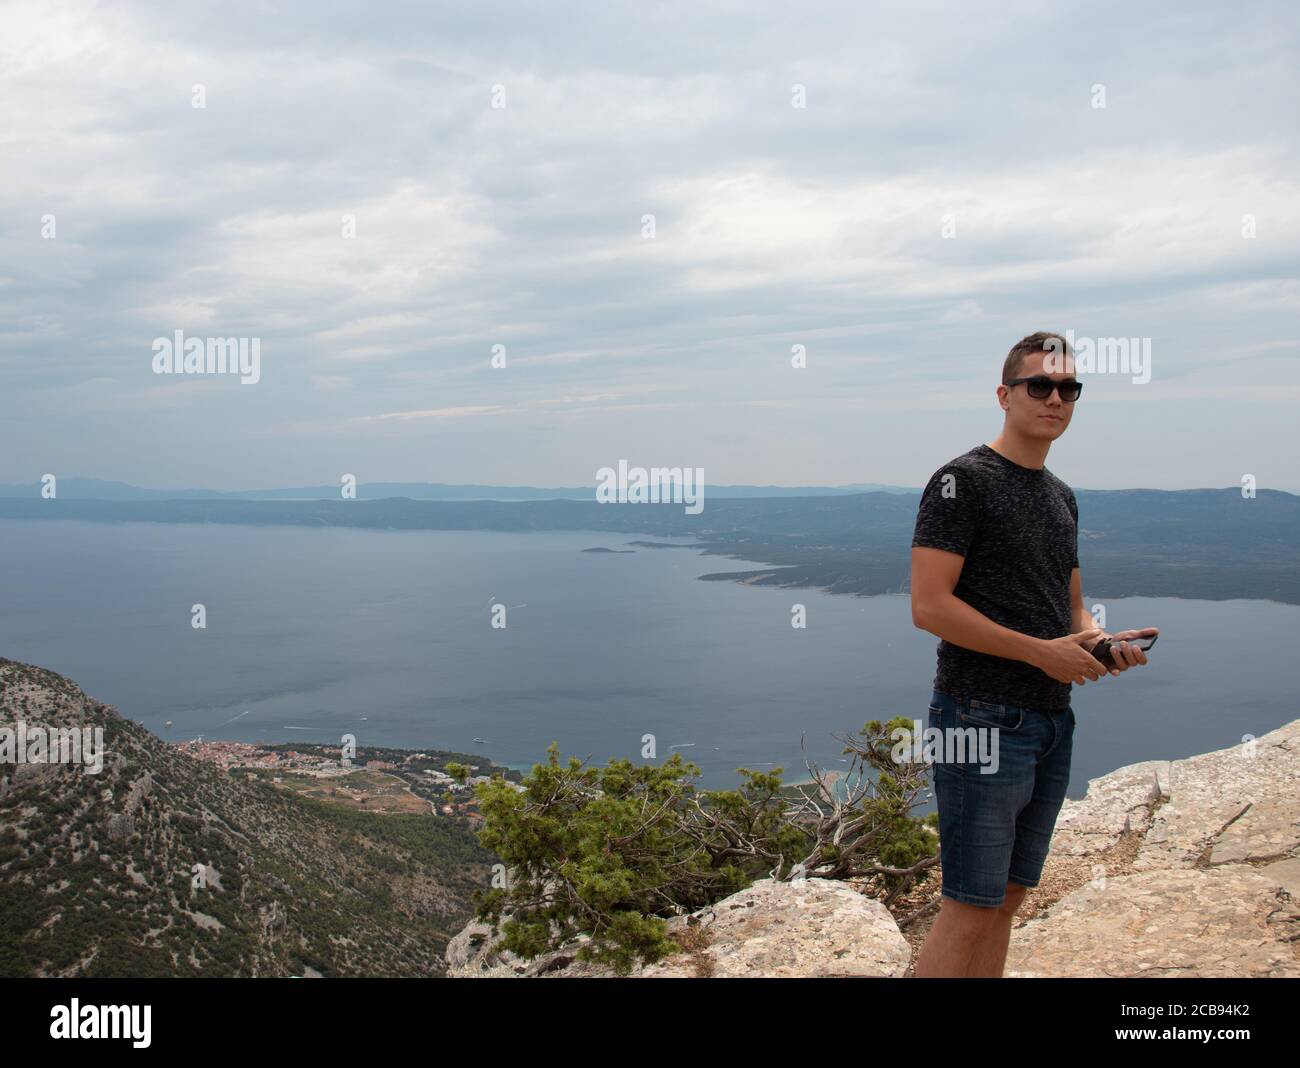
(1040,387)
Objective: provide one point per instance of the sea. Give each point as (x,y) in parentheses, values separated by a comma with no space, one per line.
(500,644)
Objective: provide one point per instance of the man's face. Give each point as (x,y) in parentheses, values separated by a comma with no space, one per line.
(1043,419)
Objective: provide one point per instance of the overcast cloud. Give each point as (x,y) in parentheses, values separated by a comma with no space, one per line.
(521,226)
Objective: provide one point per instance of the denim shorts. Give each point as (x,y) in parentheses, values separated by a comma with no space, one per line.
(996,828)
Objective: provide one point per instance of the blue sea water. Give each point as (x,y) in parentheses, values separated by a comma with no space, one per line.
(312,634)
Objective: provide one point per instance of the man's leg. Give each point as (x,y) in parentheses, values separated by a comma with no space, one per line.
(991,953)
(977,837)
(968,941)
(1034,829)
(951,943)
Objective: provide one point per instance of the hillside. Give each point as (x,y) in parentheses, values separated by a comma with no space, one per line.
(97,870)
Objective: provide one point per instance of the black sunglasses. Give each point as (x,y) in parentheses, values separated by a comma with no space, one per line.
(1040,387)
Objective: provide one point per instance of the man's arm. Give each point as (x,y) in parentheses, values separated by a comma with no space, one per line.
(1082,617)
(937,609)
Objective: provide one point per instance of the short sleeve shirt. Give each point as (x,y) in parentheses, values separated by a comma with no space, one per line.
(1017,528)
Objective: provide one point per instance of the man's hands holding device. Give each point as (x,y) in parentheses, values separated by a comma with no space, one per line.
(1090,654)
(1127,649)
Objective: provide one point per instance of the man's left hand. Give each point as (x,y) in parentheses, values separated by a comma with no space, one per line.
(1124,655)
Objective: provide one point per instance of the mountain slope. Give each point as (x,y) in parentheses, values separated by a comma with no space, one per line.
(97,871)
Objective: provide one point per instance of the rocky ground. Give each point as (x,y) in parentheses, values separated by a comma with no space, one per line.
(1165,868)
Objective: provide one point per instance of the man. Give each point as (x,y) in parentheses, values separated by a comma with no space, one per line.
(995,575)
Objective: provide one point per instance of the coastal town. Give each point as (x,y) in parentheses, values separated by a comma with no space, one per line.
(374,779)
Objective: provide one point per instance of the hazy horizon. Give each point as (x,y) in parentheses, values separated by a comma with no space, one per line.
(361,484)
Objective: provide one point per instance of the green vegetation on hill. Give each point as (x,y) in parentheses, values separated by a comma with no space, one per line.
(611,852)
(98,871)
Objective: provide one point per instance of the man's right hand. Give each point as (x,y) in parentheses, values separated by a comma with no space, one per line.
(1067,659)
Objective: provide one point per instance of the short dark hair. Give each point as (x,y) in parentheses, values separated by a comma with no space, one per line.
(1027,346)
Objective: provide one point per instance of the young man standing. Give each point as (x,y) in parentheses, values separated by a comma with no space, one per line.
(995,575)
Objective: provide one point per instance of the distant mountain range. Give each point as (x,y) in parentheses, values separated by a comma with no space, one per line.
(99,490)
(1206,543)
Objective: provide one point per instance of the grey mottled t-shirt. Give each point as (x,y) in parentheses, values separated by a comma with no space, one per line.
(1017,527)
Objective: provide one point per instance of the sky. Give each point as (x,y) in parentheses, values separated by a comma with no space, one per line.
(648,207)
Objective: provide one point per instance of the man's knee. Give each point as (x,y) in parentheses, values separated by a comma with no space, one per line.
(1015,896)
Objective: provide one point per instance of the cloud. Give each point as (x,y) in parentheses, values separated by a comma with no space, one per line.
(464,412)
(350,197)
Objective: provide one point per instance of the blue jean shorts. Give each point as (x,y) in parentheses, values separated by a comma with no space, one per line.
(996,828)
